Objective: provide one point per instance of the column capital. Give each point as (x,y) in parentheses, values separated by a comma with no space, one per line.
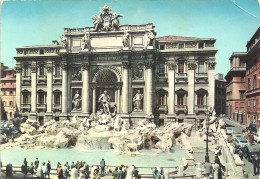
(126,65)
(85,66)
(212,65)
(64,66)
(49,68)
(18,69)
(33,68)
(149,64)
(192,65)
(172,66)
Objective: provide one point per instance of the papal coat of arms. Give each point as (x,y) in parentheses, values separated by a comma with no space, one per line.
(107,20)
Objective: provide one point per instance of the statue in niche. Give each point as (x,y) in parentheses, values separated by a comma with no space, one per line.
(138,101)
(85,42)
(115,21)
(126,39)
(76,101)
(150,38)
(63,41)
(104,101)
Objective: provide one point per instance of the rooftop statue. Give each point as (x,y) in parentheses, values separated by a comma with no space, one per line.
(107,20)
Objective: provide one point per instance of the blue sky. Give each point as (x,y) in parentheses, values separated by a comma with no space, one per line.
(231,22)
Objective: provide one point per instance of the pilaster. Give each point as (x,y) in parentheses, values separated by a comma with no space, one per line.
(85,88)
(49,69)
(18,70)
(171,80)
(64,108)
(149,89)
(125,89)
(191,86)
(33,113)
(211,80)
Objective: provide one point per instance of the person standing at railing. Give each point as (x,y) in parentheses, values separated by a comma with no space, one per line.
(65,171)
(49,168)
(74,173)
(40,172)
(102,166)
(60,172)
(161,173)
(36,164)
(115,173)
(31,169)
(155,173)
(121,174)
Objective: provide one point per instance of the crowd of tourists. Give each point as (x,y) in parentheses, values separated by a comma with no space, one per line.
(215,170)
(75,170)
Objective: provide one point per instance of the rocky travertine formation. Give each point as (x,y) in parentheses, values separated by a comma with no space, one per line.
(101,132)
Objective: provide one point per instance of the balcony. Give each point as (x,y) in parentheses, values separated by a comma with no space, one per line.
(41,79)
(162,109)
(56,107)
(181,108)
(201,78)
(181,78)
(41,107)
(201,108)
(57,79)
(26,80)
(26,107)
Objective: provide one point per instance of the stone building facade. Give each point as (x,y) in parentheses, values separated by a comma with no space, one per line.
(117,68)
(236,87)
(220,95)
(8,94)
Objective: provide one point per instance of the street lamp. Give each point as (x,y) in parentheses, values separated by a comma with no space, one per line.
(208,114)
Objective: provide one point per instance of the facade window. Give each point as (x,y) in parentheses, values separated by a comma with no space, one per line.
(4,92)
(181,67)
(11,83)
(11,114)
(25,98)
(249,85)
(254,118)
(242,95)
(248,103)
(254,82)
(4,103)
(254,102)
(10,92)
(242,79)
(41,71)
(201,67)
(4,83)
(255,64)
(248,118)
(26,70)
(57,70)
(181,46)
(41,98)
(41,52)
(162,47)
(200,99)
(10,103)
(57,98)
(162,100)
(180,99)
(201,45)
(162,69)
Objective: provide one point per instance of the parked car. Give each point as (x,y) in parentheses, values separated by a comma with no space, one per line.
(240,142)
(250,151)
(256,137)
(251,128)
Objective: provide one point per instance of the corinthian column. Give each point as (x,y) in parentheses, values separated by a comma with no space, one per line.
(18,88)
(64,108)
(211,80)
(149,89)
(191,82)
(85,89)
(125,88)
(48,114)
(171,81)
(34,91)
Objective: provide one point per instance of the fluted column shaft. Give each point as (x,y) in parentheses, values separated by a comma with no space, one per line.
(64,108)
(94,101)
(18,70)
(85,88)
(191,84)
(171,81)
(49,88)
(125,88)
(33,87)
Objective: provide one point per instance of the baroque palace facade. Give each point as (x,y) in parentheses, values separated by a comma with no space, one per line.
(126,67)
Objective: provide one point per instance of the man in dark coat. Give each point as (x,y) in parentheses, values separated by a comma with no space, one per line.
(49,168)
(121,173)
(256,164)
(36,164)
(102,166)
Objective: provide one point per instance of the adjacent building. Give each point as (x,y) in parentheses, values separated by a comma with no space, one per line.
(220,95)
(8,94)
(252,60)
(117,68)
(236,88)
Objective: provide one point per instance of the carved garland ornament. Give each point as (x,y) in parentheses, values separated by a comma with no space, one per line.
(149,64)
(18,69)
(33,68)
(126,65)
(211,65)
(192,66)
(49,69)
(85,66)
(172,66)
